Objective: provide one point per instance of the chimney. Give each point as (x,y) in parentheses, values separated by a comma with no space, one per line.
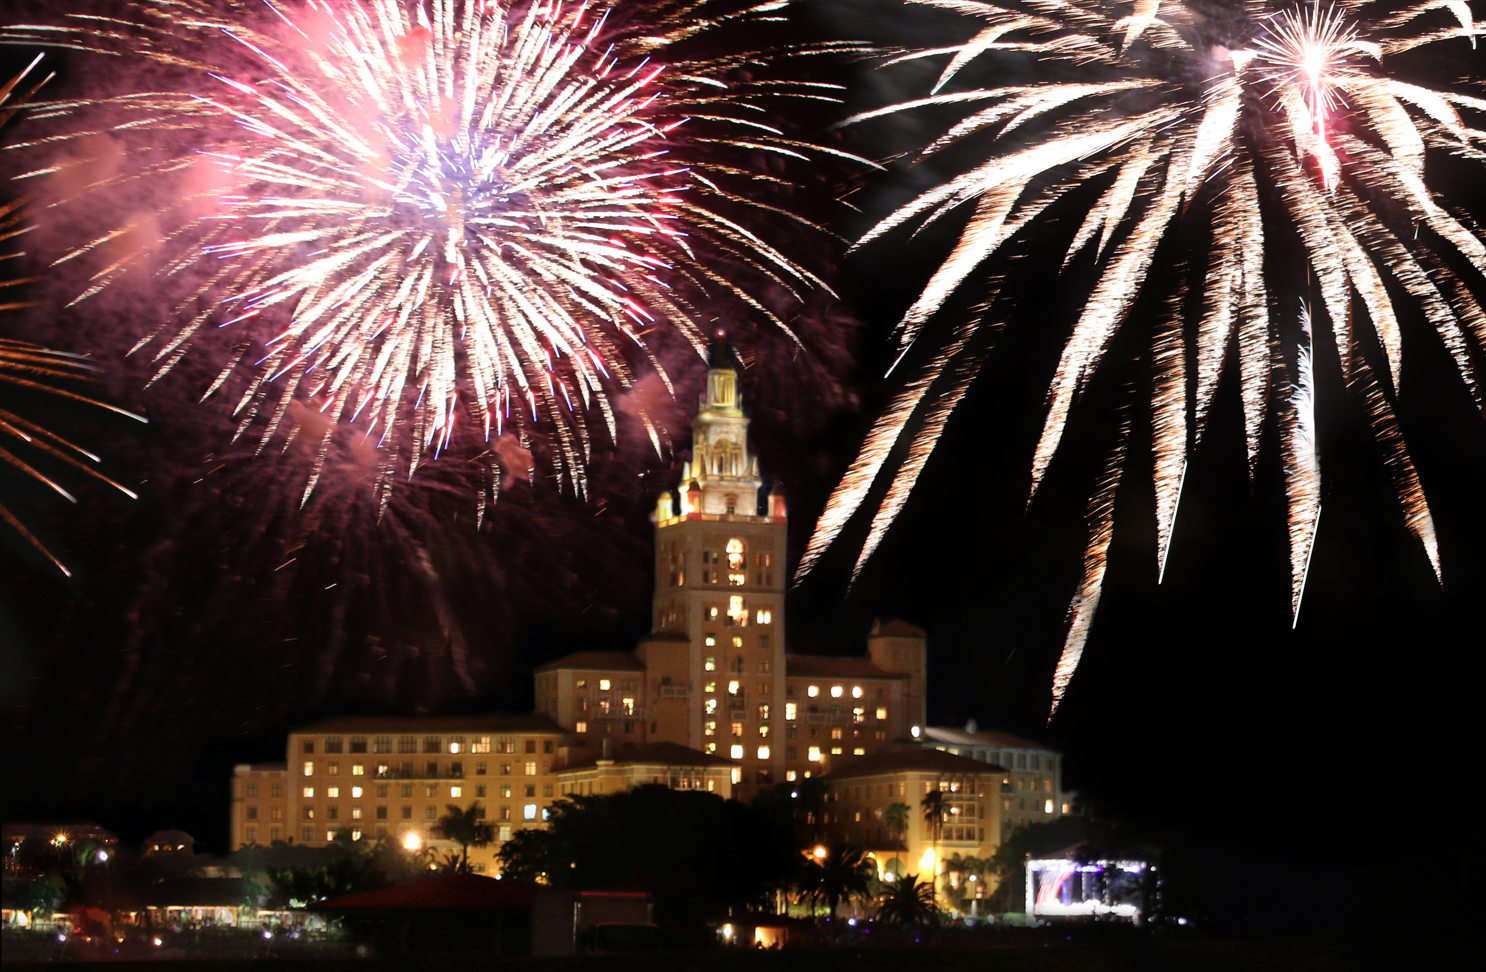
(971,727)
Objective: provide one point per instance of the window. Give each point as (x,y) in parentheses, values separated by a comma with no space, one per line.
(736,752)
(407,744)
(547,744)
(309,767)
(836,691)
(309,793)
(430,813)
(309,747)
(858,751)
(309,813)
(711,747)
(763,752)
(881,714)
(1047,806)
(505,813)
(547,790)
(709,728)
(580,726)
(605,685)
(358,744)
(333,769)
(858,714)
(763,616)
(431,744)
(738,643)
(813,691)
(737,555)
(358,769)
(455,792)
(711,706)
(711,642)
(710,687)
(505,791)
(791,711)
(407,813)
(813,754)
(407,790)
(505,832)
(737,729)
(382,744)
(835,750)
(627,706)
(250,835)
(763,713)
(334,744)
(480,768)
(381,813)
(531,745)
(307,834)
(456,745)
(275,813)
(531,769)
(432,768)
(356,793)
(480,744)
(252,813)
(381,791)
(275,832)
(733,688)
(252,791)
(737,580)
(456,769)
(737,611)
(835,732)
(856,691)
(581,683)
(431,790)
(505,769)
(529,812)
(480,791)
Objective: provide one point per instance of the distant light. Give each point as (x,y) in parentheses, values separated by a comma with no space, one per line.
(927,861)
(103,855)
(158,942)
(266,934)
(852,922)
(794,794)
(820,852)
(916,732)
(412,842)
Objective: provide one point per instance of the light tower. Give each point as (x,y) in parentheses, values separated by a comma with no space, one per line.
(715,660)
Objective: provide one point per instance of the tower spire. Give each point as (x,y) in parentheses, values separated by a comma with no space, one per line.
(722,464)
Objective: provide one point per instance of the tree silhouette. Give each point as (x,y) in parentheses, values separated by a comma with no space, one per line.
(896,820)
(465,828)
(843,874)
(909,902)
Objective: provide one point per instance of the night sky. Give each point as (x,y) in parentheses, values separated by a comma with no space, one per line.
(1198,717)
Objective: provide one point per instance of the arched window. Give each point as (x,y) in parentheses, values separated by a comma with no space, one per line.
(737,554)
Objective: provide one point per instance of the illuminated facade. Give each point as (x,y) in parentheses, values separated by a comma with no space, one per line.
(713,675)
(1033,785)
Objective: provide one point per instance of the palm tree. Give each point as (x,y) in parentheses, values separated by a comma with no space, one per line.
(843,874)
(465,828)
(933,806)
(909,902)
(896,820)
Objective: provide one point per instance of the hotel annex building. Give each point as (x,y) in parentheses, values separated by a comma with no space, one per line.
(709,700)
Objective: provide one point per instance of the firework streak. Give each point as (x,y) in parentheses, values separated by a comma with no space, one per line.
(447,211)
(1235,116)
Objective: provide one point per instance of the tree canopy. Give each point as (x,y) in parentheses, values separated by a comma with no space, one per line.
(698,854)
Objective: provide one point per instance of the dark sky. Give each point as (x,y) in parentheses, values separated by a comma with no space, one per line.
(1199,716)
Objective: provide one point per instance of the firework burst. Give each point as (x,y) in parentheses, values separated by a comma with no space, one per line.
(1257,121)
(454,212)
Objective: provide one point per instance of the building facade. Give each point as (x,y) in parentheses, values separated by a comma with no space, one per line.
(1033,791)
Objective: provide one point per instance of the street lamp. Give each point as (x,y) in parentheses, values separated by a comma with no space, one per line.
(412,842)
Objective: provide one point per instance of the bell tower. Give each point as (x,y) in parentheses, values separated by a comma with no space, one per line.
(715,659)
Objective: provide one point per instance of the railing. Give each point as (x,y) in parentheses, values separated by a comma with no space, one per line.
(674,692)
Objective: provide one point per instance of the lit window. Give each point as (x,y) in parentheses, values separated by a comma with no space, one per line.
(605,685)
(356,792)
(814,754)
(736,580)
(763,731)
(358,769)
(763,616)
(836,691)
(763,712)
(856,691)
(736,555)
(835,732)
(355,813)
(581,683)
(736,752)
(309,793)
(835,750)
(628,705)
(711,687)
(711,662)
(1047,806)
(737,610)
(790,775)
(529,812)
(712,747)
(763,752)
(813,691)
(709,728)
(881,714)
(455,747)
(733,688)
(531,769)
(737,728)
(333,769)
(791,709)
(711,706)
(737,642)
(333,792)
(580,727)
(455,792)
(737,776)
(309,767)
(859,751)
(712,612)
(859,714)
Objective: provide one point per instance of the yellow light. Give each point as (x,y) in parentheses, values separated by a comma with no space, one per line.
(737,752)
(835,691)
(412,842)
(727,932)
(926,862)
(814,754)
(813,691)
(820,852)
(856,691)
(604,685)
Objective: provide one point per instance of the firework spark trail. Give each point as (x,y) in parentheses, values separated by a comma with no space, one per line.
(448,213)
(1302,466)
(1259,122)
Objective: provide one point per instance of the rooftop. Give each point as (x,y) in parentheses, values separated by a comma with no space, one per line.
(930,760)
(651,754)
(971,735)
(825,666)
(897,629)
(596,661)
(493,722)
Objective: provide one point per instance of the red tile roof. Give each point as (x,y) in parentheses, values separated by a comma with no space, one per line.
(447,891)
(596,661)
(491,722)
(931,760)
